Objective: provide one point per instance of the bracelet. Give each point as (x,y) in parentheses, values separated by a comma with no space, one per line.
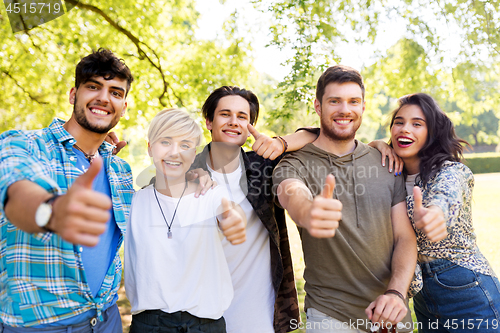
(395,292)
(283,143)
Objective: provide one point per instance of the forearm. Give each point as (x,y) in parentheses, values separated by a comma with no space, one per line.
(23,199)
(297,200)
(404,256)
(404,260)
(299,139)
(389,307)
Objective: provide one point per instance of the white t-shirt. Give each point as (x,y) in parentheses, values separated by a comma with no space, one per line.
(252,308)
(188,272)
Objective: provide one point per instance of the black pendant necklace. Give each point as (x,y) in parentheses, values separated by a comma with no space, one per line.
(169,233)
(89,157)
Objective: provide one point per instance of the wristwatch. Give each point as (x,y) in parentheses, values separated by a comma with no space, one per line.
(44,212)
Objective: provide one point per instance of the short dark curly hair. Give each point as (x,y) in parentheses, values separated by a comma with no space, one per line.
(102,63)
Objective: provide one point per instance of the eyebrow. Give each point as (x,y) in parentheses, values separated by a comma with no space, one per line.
(185,140)
(228,110)
(112,87)
(348,98)
(414,118)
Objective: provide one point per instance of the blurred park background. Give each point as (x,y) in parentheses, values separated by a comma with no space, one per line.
(181,50)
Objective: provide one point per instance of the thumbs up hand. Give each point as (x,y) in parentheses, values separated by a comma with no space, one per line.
(81,214)
(428,219)
(233,222)
(325,212)
(265,146)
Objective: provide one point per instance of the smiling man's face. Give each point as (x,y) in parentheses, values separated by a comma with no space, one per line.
(231,118)
(341,110)
(99,103)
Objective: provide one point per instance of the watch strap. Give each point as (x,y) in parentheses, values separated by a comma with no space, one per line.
(50,201)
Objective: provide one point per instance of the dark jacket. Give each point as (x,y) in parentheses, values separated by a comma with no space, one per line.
(256,181)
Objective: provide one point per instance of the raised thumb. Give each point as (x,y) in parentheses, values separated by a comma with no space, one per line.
(226,207)
(88,177)
(253,131)
(329,187)
(417,198)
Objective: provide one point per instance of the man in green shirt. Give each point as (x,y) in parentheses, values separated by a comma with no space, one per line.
(359,246)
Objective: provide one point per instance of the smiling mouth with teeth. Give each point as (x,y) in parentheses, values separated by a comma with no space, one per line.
(231,133)
(97,111)
(405,141)
(343,121)
(172,163)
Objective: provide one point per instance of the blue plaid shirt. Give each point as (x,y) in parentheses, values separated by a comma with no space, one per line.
(42,278)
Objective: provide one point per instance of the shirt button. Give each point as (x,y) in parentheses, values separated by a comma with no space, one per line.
(71,141)
(80,249)
(72,158)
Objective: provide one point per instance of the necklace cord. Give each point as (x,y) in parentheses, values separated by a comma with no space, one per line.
(89,157)
(175,211)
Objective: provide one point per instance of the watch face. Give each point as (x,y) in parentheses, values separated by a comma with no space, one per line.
(42,215)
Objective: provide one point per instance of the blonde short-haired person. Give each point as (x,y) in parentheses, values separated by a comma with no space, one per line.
(176,274)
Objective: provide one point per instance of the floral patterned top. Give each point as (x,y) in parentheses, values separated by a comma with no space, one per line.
(451,190)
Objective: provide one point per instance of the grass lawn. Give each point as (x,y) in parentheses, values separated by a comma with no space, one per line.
(486,222)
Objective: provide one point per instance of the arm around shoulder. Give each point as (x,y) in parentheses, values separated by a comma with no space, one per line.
(299,139)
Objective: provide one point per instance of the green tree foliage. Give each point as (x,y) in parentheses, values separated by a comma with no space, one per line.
(174,69)
(403,70)
(482,131)
(468,82)
(155,38)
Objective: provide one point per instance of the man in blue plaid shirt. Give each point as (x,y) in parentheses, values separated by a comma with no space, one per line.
(64,202)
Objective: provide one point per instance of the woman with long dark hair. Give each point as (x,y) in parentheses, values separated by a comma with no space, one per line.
(459,290)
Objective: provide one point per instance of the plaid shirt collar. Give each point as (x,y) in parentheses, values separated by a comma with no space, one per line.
(62,136)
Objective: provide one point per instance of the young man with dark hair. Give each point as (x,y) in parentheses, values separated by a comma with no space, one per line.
(64,203)
(339,74)
(359,246)
(265,298)
(210,105)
